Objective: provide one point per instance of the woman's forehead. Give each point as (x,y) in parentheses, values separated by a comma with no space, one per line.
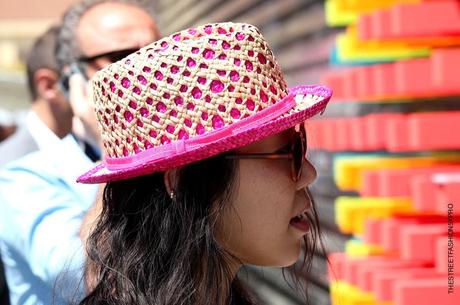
(270,144)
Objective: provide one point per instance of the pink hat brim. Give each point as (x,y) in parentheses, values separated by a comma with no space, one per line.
(103,173)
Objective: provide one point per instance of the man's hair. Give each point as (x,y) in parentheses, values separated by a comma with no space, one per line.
(40,56)
(68,49)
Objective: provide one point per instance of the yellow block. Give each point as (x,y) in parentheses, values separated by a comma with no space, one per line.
(345,12)
(355,248)
(351,48)
(348,169)
(352,212)
(343,293)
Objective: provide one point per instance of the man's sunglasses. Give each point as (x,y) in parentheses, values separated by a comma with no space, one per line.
(79,67)
(297,154)
(112,56)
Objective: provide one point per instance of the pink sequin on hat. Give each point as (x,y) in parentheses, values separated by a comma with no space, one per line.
(192,95)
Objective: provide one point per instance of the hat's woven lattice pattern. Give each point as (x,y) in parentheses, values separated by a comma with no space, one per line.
(184,85)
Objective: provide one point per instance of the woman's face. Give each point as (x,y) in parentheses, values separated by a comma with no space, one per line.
(259,225)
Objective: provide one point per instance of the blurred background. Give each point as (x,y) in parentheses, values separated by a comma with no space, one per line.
(386,150)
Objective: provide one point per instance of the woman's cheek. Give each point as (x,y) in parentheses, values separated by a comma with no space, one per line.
(255,225)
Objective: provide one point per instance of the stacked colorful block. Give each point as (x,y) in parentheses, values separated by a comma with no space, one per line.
(399,170)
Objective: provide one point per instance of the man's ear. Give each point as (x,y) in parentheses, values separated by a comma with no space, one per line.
(46,83)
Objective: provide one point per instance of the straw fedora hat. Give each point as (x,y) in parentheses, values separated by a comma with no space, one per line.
(192,95)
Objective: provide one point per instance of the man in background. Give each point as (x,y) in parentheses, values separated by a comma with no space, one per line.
(43,225)
(48,119)
(7,124)
(50,116)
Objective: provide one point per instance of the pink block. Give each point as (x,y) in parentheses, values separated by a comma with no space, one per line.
(410,20)
(342,134)
(373,231)
(398,182)
(395,183)
(433,130)
(352,267)
(371,91)
(433,196)
(418,240)
(375,135)
(314,133)
(383,282)
(381,24)
(371,183)
(449,194)
(350,84)
(364,27)
(335,80)
(363,83)
(448,254)
(423,193)
(384,80)
(425,292)
(366,270)
(358,134)
(392,227)
(445,64)
(413,77)
(328,140)
(397,132)
(336,269)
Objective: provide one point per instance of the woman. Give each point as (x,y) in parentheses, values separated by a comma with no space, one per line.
(205,169)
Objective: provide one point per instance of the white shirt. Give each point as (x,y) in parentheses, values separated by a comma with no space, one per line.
(42,135)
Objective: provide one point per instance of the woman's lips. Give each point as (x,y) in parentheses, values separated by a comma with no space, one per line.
(300,222)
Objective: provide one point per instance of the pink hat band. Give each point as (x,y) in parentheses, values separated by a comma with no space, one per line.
(172,101)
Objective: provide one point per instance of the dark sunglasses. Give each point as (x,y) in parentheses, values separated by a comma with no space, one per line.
(81,64)
(297,153)
(112,56)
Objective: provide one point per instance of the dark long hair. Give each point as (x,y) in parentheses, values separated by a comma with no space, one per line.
(150,249)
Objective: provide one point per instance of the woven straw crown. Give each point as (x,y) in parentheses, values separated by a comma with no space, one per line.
(185,85)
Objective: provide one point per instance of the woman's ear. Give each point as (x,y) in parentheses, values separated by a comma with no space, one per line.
(170,181)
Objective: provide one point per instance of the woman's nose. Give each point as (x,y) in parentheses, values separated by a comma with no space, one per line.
(308,175)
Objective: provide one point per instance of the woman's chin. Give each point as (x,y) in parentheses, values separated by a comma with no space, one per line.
(292,258)
(286,258)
